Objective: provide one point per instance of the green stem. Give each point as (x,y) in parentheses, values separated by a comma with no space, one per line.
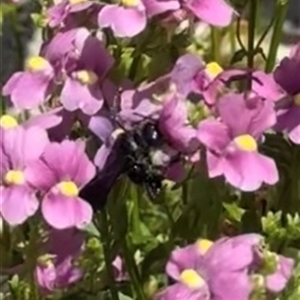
(132,270)
(294,183)
(2,106)
(18,38)
(251,34)
(231,32)
(280,13)
(134,207)
(215,44)
(103,226)
(238,34)
(264,34)
(31,259)
(134,65)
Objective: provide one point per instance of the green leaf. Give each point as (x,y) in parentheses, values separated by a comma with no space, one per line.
(238,56)
(234,211)
(155,260)
(91,229)
(124,297)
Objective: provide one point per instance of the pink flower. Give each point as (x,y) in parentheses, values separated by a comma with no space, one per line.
(174,125)
(82,62)
(211,271)
(30,88)
(55,268)
(214,12)
(130,18)
(232,142)
(19,148)
(287,76)
(59,14)
(65,168)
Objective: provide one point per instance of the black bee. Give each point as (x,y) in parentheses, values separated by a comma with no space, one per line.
(131,155)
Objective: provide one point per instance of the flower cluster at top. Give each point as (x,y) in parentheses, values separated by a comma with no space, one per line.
(44,168)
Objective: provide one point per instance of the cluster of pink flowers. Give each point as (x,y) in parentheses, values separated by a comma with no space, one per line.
(230,268)
(43,169)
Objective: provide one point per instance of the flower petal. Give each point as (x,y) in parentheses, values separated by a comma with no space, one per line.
(214,12)
(101,126)
(278,281)
(117,17)
(182,259)
(63,212)
(248,170)
(28,90)
(213,134)
(233,286)
(17,204)
(156,7)
(180,291)
(75,95)
(252,116)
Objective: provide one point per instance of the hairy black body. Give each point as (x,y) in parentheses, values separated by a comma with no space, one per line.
(131,155)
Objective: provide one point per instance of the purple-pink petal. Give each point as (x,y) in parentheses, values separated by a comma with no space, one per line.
(182,259)
(214,12)
(173,125)
(248,170)
(93,54)
(17,204)
(252,116)
(179,291)
(17,144)
(288,120)
(101,126)
(75,95)
(33,173)
(102,155)
(46,276)
(63,212)
(117,17)
(287,75)
(67,273)
(68,160)
(266,87)
(277,281)
(294,135)
(57,13)
(156,7)
(220,256)
(230,285)
(185,71)
(45,120)
(213,134)
(77,7)
(27,89)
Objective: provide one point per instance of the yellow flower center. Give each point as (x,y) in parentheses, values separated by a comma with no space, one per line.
(130,3)
(246,142)
(7,121)
(76,1)
(68,188)
(204,245)
(14,177)
(36,63)
(86,77)
(297,99)
(213,69)
(191,278)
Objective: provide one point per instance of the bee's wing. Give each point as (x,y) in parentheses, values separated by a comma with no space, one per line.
(96,191)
